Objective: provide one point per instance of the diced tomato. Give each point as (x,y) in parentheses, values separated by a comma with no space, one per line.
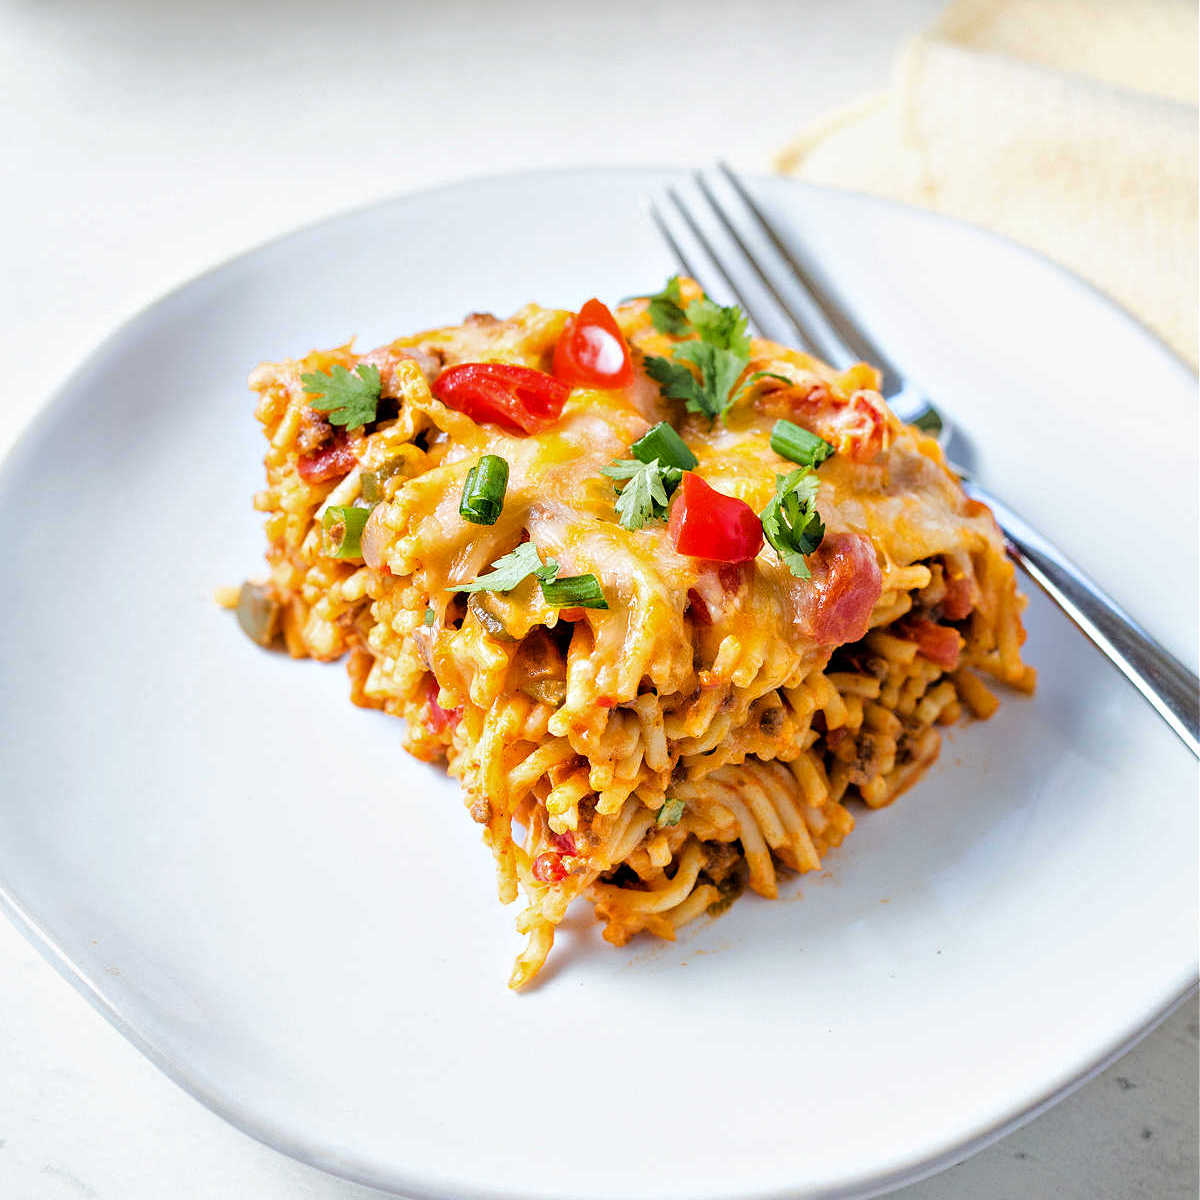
(864,426)
(698,608)
(708,524)
(548,868)
(856,428)
(519,398)
(938,643)
(716,584)
(834,607)
(960,597)
(591,351)
(331,461)
(732,576)
(564,842)
(440,718)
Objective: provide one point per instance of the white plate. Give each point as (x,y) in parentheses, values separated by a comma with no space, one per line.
(298,922)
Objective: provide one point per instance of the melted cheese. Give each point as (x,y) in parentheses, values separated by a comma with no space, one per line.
(904,500)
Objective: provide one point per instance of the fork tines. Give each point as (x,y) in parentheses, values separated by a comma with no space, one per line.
(723,237)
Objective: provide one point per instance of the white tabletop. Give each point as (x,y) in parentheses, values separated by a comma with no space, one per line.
(145,141)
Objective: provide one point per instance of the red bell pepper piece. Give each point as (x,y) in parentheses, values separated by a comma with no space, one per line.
(519,398)
(707,524)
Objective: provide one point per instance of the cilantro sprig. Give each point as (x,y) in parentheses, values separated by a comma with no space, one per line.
(512,569)
(660,457)
(719,326)
(647,491)
(791,522)
(678,383)
(349,398)
(720,352)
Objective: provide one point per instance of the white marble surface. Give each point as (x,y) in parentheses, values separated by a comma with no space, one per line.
(143,142)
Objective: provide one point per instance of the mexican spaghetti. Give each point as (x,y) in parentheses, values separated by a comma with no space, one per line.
(666,599)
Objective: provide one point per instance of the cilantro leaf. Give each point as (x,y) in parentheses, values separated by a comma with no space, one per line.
(791,522)
(677,382)
(350,399)
(721,351)
(512,569)
(724,327)
(647,490)
(669,814)
(666,313)
(719,371)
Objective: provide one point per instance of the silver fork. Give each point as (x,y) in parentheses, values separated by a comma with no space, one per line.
(819,323)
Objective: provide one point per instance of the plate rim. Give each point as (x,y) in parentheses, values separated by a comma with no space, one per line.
(262,1128)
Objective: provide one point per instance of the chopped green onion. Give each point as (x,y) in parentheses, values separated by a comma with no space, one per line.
(669,814)
(575,591)
(789,440)
(664,444)
(430,617)
(483,492)
(343,528)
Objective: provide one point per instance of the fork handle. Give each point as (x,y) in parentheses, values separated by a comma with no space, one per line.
(1171,688)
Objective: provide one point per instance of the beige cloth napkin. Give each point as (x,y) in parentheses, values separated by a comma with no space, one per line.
(1070,125)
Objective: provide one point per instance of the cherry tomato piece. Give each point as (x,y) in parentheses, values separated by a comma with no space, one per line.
(591,351)
(708,524)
